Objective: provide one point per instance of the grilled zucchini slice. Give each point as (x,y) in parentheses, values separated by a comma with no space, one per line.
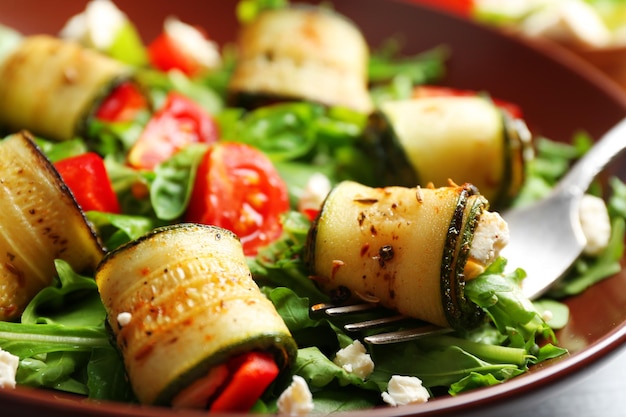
(465,139)
(41,222)
(409,248)
(50,86)
(193,305)
(301,53)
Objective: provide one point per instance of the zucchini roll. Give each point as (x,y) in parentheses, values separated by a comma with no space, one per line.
(410,249)
(41,222)
(181,302)
(51,87)
(301,53)
(465,139)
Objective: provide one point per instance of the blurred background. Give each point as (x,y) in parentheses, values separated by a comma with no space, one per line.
(595,30)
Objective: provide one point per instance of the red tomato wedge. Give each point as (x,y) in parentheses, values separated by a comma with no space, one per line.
(460,7)
(238,188)
(86,176)
(179,123)
(433,91)
(251,374)
(165,55)
(123,104)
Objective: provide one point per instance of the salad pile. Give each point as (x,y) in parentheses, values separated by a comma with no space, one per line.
(171,147)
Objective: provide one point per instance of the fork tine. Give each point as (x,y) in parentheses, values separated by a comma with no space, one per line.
(397,336)
(372,324)
(332,310)
(405,335)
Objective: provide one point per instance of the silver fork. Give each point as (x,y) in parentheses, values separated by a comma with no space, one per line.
(546,238)
(415,331)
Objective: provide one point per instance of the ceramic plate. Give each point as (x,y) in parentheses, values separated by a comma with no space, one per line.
(558,93)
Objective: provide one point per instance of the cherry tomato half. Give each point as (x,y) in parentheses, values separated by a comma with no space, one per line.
(238,188)
(165,55)
(179,123)
(123,104)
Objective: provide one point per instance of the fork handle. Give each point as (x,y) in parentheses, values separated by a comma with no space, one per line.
(605,150)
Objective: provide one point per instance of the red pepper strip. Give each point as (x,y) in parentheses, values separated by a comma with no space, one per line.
(252,373)
(433,91)
(198,393)
(123,104)
(86,177)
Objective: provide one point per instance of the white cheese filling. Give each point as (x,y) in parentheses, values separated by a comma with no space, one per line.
(490,237)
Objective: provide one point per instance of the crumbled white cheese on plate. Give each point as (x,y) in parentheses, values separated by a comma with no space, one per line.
(403,390)
(8,369)
(355,359)
(193,42)
(97,26)
(296,400)
(596,225)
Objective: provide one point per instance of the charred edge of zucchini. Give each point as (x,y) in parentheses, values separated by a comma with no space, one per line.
(252,100)
(460,313)
(132,243)
(46,164)
(281,346)
(521,144)
(386,155)
(514,152)
(308,253)
(470,314)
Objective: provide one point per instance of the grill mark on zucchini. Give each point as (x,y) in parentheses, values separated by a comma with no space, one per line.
(175,264)
(42,222)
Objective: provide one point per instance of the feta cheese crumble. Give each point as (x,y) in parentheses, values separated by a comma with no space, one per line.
(124,318)
(296,400)
(8,369)
(97,26)
(355,359)
(403,390)
(596,225)
(317,188)
(193,42)
(490,237)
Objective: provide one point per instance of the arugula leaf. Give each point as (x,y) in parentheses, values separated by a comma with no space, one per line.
(62,341)
(72,299)
(173,182)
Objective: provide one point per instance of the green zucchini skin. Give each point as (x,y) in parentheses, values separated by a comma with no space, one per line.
(194,305)
(407,248)
(463,139)
(389,161)
(51,87)
(460,312)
